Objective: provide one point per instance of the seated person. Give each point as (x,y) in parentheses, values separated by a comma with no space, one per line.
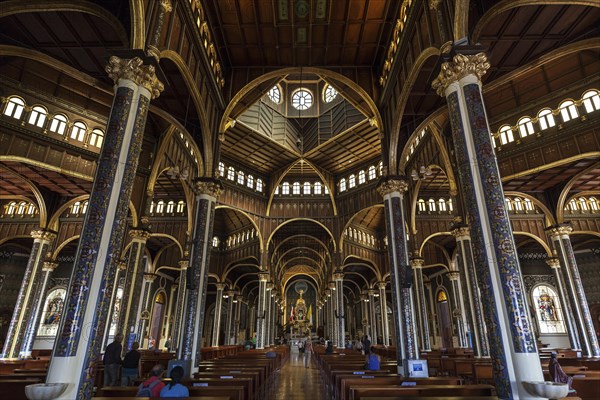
(556,372)
(174,388)
(329,348)
(152,386)
(373,361)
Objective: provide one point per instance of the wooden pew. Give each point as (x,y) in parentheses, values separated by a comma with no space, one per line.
(438,391)
(16,387)
(587,388)
(229,392)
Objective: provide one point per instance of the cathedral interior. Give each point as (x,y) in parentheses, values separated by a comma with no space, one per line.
(201,173)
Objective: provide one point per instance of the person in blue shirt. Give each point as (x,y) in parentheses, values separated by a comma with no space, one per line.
(174,388)
(373,362)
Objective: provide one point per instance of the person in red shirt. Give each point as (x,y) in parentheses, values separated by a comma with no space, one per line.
(153,384)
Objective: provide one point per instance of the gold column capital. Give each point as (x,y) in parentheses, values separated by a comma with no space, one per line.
(381,284)
(166,5)
(183,264)
(209,186)
(461,232)
(220,286)
(263,276)
(49,266)
(121,265)
(338,276)
(43,234)
(149,277)
(417,262)
(140,234)
(434,4)
(559,230)
(553,262)
(393,184)
(133,69)
(453,275)
(461,66)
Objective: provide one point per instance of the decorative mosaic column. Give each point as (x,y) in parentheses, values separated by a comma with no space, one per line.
(121,268)
(180,306)
(263,277)
(561,244)
(217,319)
(273,318)
(372,315)
(169,317)
(42,239)
(268,314)
(252,321)
(338,279)
(392,189)
(432,313)
(567,310)
(420,304)
(229,322)
(144,309)
(132,291)
(458,309)
(512,345)
(364,313)
(471,298)
(207,191)
(77,346)
(164,7)
(236,317)
(36,310)
(385,327)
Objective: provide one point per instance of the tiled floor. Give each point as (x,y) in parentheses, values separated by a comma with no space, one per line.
(296,382)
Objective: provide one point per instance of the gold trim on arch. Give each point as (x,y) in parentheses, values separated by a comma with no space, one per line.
(247,215)
(54,219)
(534,237)
(304,219)
(461,19)
(61,246)
(347,225)
(36,192)
(550,220)
(138,24)
(553,164)
(8,239)
(366,263)
(431,237)
(560,204)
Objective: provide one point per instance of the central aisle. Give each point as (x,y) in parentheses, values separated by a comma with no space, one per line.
(297,382)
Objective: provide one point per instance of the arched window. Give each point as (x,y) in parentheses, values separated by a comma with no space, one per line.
(152,205)
(380,168)
(372,173)
(112,330)
(422,205)
(329,94)
(306,189)
(568,111)
(97,137)
(160,207)
(221,169)
(230,173)
(506,134)
(317,188)
(528,205)
(53,308)
(259,185)
(11,208)
(431,203)
(583,204)
(274,94)
(548,309)
(215,242)
(450,206)
(591,101)
(525,127)
(593,204)
(572,205)
(518,204)
(361,177)
(31,209)
(277,189)
(508,204)
(241,179)
(180,206)
(37,116)
(58,124)
(296,188)
(325,189)
(170,207)
(78,131)
(351,181)
(302,99)
(343,185)
(442,204)
(84,207)
(21,208)
(285,188)
(546,119)
(14,107)
(250,181)
(75,208)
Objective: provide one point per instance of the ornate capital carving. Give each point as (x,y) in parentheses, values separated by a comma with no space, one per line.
(417,262)
(134,70)
(142,234)
(559,230)
(461,232)
(263,276)
(149,277)
(221,286)
(381,285)
(393,184)
(434,4)
(338,276)
(183,264)
(43,234)
(461,66)
(166,5)
(121,265)
(371,292)
(211,187)
(553,262)
(49,266)
(453,275)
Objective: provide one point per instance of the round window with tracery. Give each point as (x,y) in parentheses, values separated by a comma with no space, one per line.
(330,94)
(302,99)
(275,95)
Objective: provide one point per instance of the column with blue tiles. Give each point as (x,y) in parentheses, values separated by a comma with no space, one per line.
(561,245)
(217,319)
(512,342)
(392,189)
(263,277)
(458,309)
(338,279)
(229,322)
(78,343)
(471,297)
(206,190)
(385,327)
(420,306)
(37,309)
(132,290)
(42,240)
(180,305)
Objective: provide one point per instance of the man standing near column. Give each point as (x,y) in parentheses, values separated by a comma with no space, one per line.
(112,361)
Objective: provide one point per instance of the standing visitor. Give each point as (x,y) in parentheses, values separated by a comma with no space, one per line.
(130,365)
(112,361)
(308,348)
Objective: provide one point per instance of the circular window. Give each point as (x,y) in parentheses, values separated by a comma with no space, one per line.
(302,99)
(329,94)
(275,95)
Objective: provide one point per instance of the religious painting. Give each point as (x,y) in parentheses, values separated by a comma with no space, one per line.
(548,310)
(53,309)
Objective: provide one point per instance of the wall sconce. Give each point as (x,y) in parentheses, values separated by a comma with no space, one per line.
(424,172)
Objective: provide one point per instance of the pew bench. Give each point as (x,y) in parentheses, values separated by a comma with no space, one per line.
(360,392)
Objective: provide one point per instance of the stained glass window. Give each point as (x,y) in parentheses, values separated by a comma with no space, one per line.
(548,310)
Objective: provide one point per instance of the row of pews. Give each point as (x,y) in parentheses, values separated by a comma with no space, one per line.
(16,374)
(229,375)
(345,379)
